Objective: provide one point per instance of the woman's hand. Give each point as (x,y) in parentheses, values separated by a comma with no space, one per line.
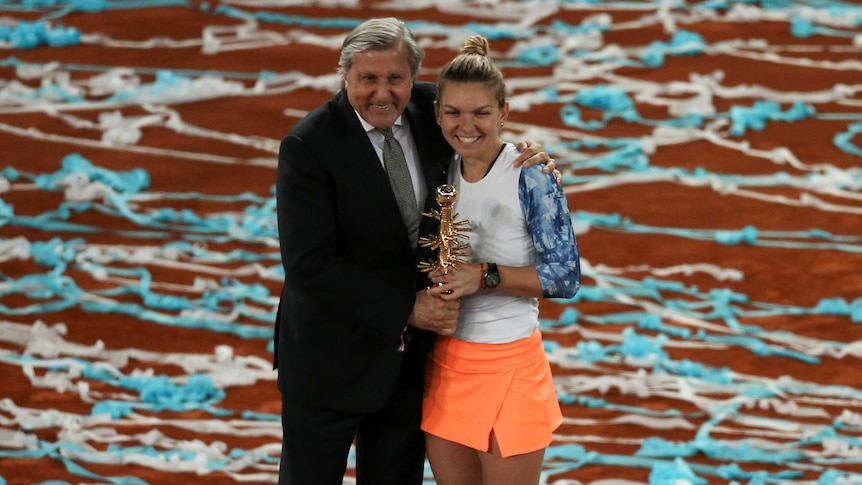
(463,280)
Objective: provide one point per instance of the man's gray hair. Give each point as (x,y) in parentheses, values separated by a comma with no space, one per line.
(380,34)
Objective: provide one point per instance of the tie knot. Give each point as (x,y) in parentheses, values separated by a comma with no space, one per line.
(387,133)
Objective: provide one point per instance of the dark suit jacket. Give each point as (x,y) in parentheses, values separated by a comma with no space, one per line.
(350,272)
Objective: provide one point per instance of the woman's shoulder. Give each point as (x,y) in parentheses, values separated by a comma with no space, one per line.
(535,176)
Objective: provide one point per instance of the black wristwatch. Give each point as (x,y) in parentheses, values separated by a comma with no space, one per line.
(492,276)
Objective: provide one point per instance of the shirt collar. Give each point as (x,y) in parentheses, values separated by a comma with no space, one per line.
(399,122)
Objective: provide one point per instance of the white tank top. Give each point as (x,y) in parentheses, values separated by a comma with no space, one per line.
(499,235)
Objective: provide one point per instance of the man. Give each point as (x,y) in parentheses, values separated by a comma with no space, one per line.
(352,326)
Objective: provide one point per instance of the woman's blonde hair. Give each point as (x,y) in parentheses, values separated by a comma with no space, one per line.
(472,65)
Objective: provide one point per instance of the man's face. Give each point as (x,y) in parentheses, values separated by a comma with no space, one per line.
(378,85)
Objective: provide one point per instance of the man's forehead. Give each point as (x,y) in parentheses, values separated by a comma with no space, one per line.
(390,61)
(379,70)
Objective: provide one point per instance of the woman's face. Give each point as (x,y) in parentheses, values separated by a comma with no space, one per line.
(471,120)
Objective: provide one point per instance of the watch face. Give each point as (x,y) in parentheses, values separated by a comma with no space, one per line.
(492,280)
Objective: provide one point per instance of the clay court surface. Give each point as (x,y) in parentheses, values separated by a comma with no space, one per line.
(710,157)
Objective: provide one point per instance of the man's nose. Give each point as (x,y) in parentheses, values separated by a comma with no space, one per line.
(384,87)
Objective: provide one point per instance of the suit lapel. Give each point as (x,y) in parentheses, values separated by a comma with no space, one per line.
(361,161)
(363,165)
(426,135)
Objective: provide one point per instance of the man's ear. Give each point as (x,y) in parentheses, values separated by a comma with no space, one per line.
(437,112)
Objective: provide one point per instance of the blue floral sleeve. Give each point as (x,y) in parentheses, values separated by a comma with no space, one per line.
(547,213)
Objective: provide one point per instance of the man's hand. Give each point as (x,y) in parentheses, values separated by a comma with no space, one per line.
(434,314)
(533,153)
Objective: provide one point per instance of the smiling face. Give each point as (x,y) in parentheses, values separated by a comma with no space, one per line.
(378,85)
(471,119)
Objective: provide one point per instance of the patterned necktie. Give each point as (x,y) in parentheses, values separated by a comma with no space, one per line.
(402,184)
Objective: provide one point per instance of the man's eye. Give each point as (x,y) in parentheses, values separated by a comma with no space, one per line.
(396,80)
(368,80)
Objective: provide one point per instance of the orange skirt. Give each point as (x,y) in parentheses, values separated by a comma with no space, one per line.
(472,389)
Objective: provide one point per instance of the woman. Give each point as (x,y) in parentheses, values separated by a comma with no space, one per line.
(490,407)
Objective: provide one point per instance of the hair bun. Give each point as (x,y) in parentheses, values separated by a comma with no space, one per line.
(476,44)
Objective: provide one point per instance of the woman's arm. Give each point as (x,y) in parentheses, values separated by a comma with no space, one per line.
(546,210)
(557,276)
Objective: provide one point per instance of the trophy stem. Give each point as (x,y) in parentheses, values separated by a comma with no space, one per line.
(451,251)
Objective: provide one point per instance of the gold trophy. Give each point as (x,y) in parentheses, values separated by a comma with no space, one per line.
(449,242)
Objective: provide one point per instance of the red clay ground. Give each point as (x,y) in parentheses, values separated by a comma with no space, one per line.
(784,397)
